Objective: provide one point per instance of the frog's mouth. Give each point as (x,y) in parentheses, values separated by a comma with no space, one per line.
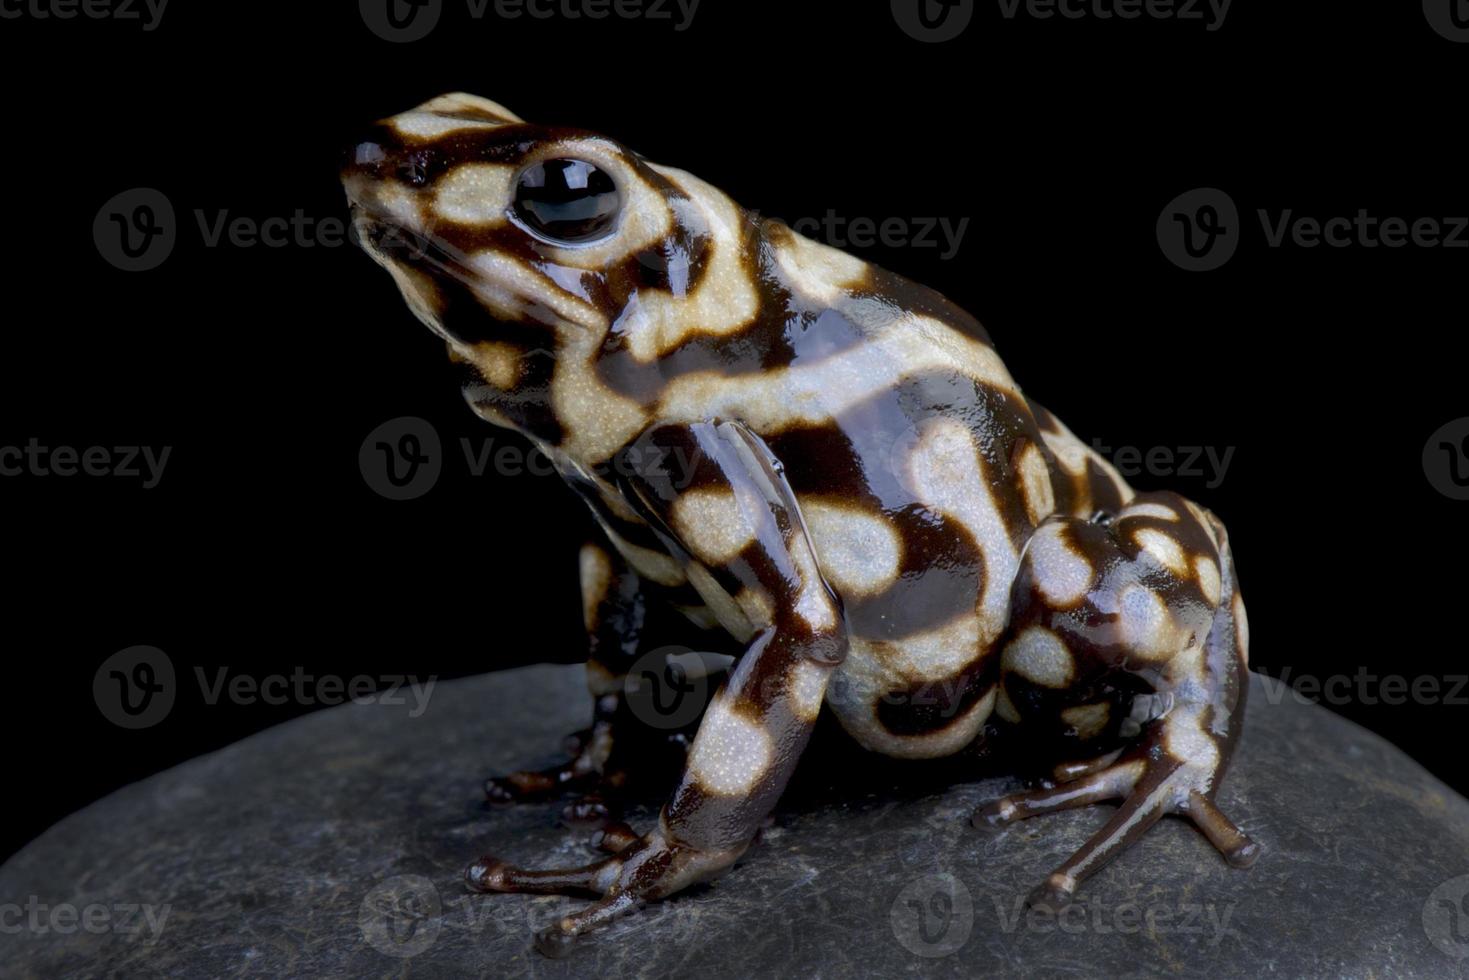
(388,240)
(414,256)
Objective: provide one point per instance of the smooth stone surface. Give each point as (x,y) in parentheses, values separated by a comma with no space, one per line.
(334,846)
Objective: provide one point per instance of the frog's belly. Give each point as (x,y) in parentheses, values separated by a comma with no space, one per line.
(926,596)
(921,697)
(925,582)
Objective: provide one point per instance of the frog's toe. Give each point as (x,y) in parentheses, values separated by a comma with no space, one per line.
(643,869)
(499,790)
(1053,894)
(577,742)
(554,942)
(614,838)
(490,874)
(536,785)
(589,812)
(1238,849)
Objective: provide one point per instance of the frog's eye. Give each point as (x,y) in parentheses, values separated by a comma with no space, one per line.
(566,202)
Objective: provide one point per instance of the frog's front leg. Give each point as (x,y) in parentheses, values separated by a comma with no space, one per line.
(726,510)
(613,611)
(1128,629)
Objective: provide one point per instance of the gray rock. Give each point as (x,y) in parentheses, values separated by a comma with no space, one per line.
(333,846)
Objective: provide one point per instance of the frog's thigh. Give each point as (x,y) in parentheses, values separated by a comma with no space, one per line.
(1153,594)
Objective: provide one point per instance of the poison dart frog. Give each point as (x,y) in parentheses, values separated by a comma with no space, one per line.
(865,500)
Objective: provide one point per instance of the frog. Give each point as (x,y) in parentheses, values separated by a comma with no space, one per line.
(827,463)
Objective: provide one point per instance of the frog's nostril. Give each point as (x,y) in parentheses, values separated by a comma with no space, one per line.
(363,158)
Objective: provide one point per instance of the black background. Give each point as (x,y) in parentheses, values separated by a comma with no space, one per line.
(264,550)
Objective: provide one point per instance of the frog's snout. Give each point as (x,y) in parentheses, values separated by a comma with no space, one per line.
(362,159)
(371,161)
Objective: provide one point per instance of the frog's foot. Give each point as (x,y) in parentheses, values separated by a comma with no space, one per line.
(586,768)
(645,869)
(1150,785)
(598,778)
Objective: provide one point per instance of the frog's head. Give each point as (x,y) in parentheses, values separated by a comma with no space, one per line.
(516,242)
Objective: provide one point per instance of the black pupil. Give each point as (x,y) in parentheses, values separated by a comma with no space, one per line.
(567,201)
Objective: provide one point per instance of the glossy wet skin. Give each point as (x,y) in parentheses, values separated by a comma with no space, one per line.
(825,460)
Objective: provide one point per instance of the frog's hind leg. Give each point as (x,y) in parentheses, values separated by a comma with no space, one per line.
(1149,790)
(1167,604)
(1105,785)
(613,611)
(758,724)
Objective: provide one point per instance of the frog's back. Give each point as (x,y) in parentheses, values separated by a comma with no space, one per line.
(920,468)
